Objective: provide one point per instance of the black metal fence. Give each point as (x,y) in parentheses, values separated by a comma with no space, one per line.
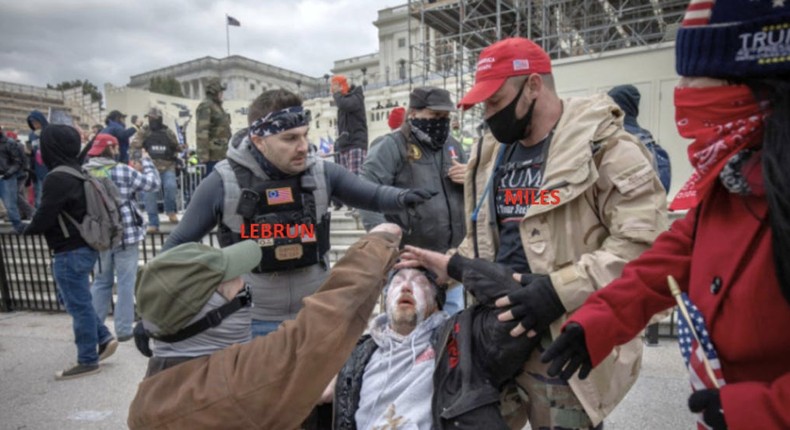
(26,281)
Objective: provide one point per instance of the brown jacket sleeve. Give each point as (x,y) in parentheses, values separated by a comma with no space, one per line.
(274,381)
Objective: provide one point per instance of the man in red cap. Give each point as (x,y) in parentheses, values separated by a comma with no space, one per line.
(561,194)
(122,260)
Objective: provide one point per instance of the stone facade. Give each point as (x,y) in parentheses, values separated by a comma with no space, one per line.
(244,77)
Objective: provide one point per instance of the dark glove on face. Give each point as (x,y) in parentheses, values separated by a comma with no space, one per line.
(412,198)
(536,304)
(487,281)
(709,403)
(569,351)
(141,340)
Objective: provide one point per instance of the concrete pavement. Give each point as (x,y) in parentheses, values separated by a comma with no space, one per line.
(34,345)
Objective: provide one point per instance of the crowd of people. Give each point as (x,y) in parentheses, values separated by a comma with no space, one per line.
(266,333)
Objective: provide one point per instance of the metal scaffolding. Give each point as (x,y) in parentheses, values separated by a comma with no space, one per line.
(453,32)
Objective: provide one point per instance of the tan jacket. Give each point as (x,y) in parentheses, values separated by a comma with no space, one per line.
(612,206)
(273,382)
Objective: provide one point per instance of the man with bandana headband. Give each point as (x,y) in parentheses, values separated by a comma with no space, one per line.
(560,193)
(730,253)
(272,180)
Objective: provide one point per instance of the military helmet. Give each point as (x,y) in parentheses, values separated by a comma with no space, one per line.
(214,86)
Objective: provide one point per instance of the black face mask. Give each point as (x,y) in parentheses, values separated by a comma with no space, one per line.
(431,132)
(504,125)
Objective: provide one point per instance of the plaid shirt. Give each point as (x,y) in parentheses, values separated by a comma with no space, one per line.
(131,181)
(352,159)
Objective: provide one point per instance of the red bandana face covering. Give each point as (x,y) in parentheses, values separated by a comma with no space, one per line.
(722,121)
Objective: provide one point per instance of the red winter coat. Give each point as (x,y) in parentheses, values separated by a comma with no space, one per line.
(727,269)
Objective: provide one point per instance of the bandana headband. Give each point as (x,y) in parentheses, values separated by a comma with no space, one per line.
(279,121)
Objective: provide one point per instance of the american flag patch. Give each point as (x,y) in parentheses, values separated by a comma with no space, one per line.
(279,196)
(520,65)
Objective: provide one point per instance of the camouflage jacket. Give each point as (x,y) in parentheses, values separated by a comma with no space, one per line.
(138,142)
(212,131)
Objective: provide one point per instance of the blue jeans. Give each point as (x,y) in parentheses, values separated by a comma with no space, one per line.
(168,178)
(454,300)
(122,262)
(262,328)
(8,192)
(71,270)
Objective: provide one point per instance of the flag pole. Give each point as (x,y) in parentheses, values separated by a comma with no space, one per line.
(227,33)
(675,289)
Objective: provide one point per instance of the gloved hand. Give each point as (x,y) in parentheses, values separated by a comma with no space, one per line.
(414,197)
(709,403)
(569,351)
(485,280)
(141,340)
(536,305)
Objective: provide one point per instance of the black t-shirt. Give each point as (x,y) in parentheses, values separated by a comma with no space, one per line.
(516,184)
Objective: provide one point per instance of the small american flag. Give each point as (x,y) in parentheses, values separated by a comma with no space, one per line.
(520,65)
(279,196)
(693,351)
(698,13)
(453,154)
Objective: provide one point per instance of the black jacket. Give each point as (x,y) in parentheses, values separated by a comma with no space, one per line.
(11,157)
(352,124)
(61,192)
(403,162)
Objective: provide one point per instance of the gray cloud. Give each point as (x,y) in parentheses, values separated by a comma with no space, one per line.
(49,41)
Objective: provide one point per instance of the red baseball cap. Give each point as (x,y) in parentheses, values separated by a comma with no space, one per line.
(100,142)
(510,57)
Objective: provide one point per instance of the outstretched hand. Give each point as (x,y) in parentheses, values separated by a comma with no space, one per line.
(388,227)
(413,197)
(568,353)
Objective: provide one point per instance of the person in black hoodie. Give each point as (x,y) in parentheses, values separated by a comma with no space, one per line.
(72,258)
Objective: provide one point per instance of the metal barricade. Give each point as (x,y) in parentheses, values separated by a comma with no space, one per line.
(26,280)
(187,182)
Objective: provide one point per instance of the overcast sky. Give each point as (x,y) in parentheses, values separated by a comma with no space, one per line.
(49,41)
